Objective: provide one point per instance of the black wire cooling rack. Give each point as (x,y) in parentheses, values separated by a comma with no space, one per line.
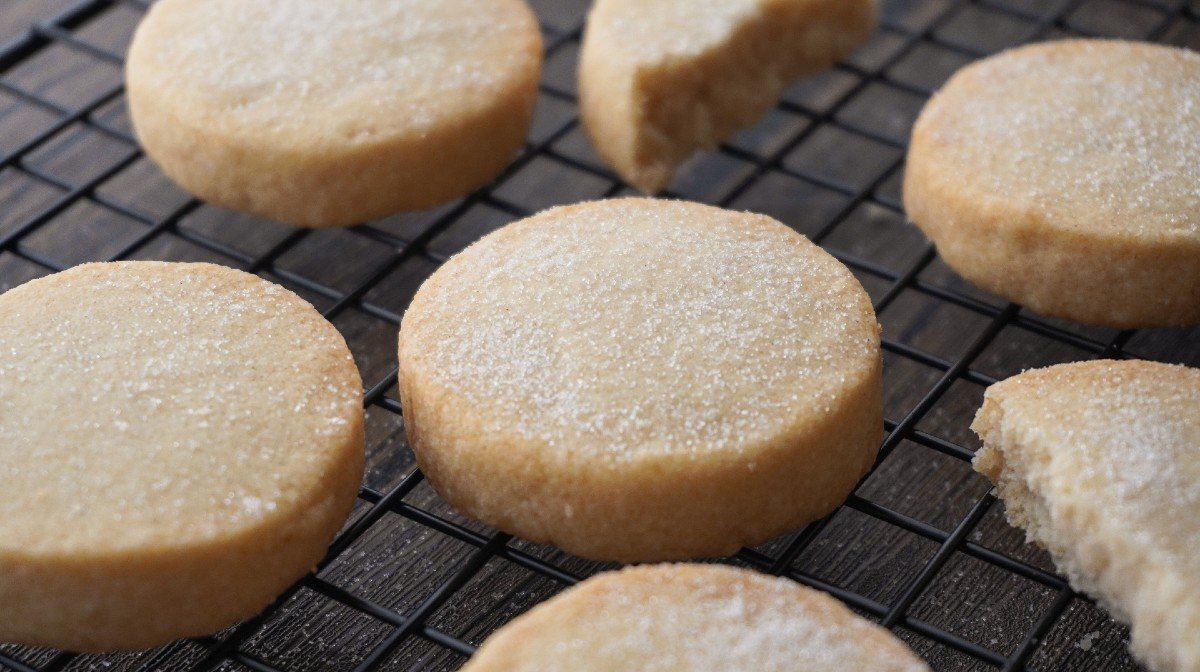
(921,547)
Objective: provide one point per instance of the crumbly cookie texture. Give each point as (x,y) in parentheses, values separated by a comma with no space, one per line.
(322,113)
(1099,462)
(181,443)
(660,80)
(1064,176)
(642,380)
(692,617)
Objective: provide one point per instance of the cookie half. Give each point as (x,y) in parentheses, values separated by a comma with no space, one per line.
(1099,462)
(181,443)
(1065,176)
(692,617)
(642,380)
(660,80)
(321,113)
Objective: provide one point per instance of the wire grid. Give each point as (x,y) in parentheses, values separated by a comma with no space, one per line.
(786,166)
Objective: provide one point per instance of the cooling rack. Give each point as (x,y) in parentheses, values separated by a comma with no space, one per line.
(920,547)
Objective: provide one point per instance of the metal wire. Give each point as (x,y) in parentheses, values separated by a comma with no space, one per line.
(228,648)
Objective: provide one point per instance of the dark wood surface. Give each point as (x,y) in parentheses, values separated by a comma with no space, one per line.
(826,162)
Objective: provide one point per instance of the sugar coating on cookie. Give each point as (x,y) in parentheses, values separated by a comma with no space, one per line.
(660,80)
(1065,176)
(1100,463)
(692,617)
(326,113)
(182,441)
(637,379)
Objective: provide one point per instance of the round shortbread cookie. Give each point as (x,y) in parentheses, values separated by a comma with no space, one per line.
(660,80)
(1066,176)
(181,443)
(1099,462)
(321,113)
(642,380)
(699,618)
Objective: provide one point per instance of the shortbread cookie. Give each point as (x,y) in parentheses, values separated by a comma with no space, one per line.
(700,618)
(1065,176)
(660,80)
(181,443)
(1099,462)
(642,380)
(322,113)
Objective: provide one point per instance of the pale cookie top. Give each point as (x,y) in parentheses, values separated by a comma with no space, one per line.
(149,405)
(634,327)
(649,33)
(349,70)
(1098,134)
(694,617)
(1120,437)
